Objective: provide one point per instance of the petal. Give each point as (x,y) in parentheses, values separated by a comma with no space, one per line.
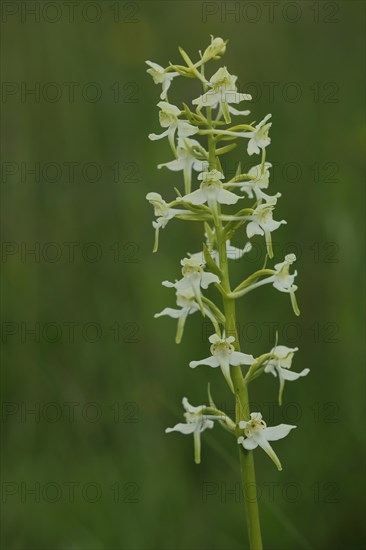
(252,147)
(168,284)
(175,313)
(280,287)
(263,443)
(238,358)
(225,369)
(155,66)
(273,225)
(249,443)
(198,165)
(290,375)
(267,117)
(182,428)
(209,361)
(185,129)
(180,326)
(243,424)
(227,197)
(277,432)
(165,86)
(197,256)
(174,165)
(271,368)
(190,408)
(169,108)
(234,253)
(283,351)
(214,339)
(209,99)
(155,137)
(244,97)
(208,278)
(195,285)
(207,423)
(254,229)
(234,111)
(197,197)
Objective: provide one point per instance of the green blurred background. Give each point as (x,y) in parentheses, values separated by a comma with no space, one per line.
(103,376)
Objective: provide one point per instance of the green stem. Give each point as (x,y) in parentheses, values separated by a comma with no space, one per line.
(241,391)
(242,412)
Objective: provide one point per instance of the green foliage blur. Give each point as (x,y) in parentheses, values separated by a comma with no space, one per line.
(103,377)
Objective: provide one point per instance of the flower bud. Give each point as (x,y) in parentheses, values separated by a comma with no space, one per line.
(215,49)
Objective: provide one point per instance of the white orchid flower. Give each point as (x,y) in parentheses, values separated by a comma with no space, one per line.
(259,180)
(161,76)
(281,279)
(223,91)
(259,138)
(284,281)
(186,160)
(196,423)
(194,278)
(168,118)
(257,433)
(163,212)
(224,355)
(188,305)
(280,364)
(262,223)
(211,191)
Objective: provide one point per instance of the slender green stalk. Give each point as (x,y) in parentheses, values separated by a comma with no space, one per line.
(241,391)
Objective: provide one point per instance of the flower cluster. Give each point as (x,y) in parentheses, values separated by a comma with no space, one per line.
(199,136)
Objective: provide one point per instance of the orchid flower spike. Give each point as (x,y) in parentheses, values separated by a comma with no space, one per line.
(223,355)
(279,365)
(256,433)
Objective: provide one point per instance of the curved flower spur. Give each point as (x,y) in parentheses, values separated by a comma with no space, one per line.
(199,136)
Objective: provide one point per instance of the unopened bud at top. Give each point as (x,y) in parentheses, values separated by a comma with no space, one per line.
(215,50)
